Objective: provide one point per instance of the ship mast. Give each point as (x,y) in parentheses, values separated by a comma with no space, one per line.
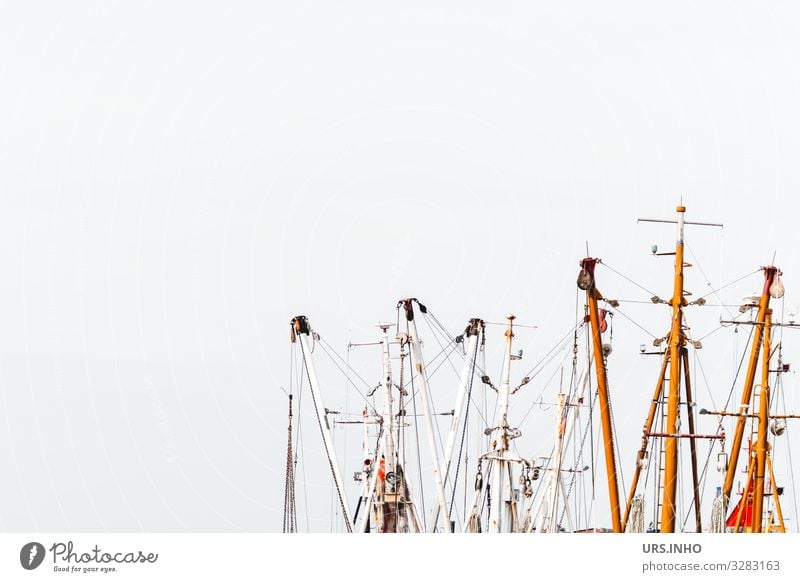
(500,441)
(388,457)
(419,368)
(676,360)
(498,461)
(586,281)
(676,342)
(474,332)
(763,422)
(770,275)
(302,331)
(759,464)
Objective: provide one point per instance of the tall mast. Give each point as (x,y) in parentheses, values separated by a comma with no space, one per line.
(592,296)
(289,506)
(675,358)
(419,367)
(473,333)
(547,521)
(770,273)
(763,421)
(500,437)
(388,405)
(676,341)
(388,457)
(302,331)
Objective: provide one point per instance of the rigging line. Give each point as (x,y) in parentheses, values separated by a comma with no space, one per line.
(451,340)
(556,347)
(579,459)
(788,439)
(346,407)
(515,324)
(299,446)
(297,376)
(721,326)
(628,279)
(571,398)
(438,436)
(738,370)
(444,332)
(618,310)
(696,259)
(791,462)
(330,347)
(648,302)
(463,434)
(538,400)
(721,418)
(360,393)
(573,382)
(545,477)
(699,364)
(324,443)
(430,375)
(731,283)
(289,504)
(446,358)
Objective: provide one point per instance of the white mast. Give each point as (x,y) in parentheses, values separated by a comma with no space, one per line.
(419,367)
(547,520)
(388,408)
(301,330)
(473,332)
(500,439)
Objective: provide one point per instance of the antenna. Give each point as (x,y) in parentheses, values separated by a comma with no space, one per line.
(676,222)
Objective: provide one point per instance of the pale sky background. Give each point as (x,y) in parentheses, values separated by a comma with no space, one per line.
(179,179)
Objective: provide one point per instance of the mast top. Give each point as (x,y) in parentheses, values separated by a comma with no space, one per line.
(510,331)
(680,210)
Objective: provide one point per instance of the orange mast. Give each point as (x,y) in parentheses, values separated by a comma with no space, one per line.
(763,420)
(770,273)
(676,341)
(586,282)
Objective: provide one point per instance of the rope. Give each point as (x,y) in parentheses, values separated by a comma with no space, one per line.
(636,518)
(628,278)
(651,334)
(731,283)
(289,505)
(718,515)
(325,347)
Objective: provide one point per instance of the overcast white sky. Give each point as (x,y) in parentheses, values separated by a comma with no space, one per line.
(179,179)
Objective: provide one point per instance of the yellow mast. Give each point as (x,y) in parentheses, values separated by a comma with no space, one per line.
(747,393)
(763,421)
(676,341)
(592,296)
